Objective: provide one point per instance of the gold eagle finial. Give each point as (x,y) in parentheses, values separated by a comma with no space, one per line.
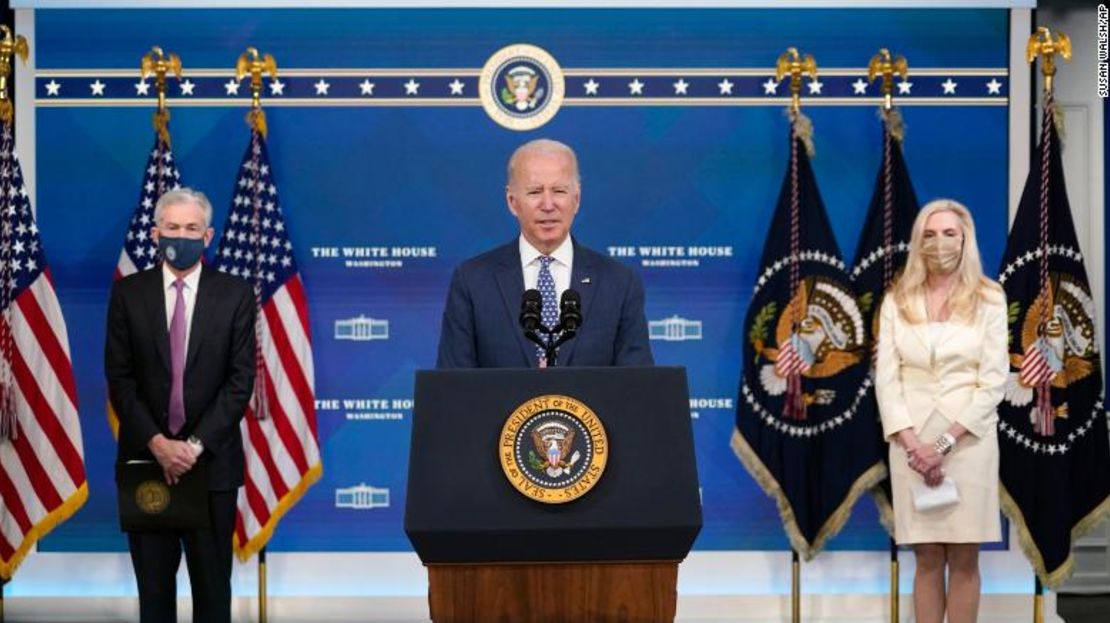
(157,63)
(1042,43)
(887,66)
(10,45)
(256,65)
(795,65)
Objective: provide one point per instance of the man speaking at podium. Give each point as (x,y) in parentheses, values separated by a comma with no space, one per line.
(480,320)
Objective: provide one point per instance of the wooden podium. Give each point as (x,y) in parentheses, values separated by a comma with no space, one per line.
(553,593)
(495,555)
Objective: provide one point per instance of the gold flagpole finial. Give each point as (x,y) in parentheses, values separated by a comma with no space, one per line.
(10,45)
(793,64)
(156,63)
(254,64)
(1041,43)
(887,66)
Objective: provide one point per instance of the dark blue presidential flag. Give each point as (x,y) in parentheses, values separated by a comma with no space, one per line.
(881,255)
(1055,460)
(803,429)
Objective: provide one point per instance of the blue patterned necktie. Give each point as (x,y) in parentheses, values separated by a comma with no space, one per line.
(550,314)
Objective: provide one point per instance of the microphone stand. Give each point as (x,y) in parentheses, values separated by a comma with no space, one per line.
(549,342)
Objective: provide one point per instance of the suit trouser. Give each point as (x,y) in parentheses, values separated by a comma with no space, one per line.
(156,556)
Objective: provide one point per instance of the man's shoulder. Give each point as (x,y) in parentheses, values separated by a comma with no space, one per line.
(139,280)
(224,282)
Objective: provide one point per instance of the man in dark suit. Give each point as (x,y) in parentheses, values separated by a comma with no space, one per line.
(480,321)
(180,363)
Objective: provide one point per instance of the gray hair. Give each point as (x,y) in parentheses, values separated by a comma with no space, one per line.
(184,194)
(543,146)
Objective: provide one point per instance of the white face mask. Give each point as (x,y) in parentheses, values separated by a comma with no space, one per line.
(942,253)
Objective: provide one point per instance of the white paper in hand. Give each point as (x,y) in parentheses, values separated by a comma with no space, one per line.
(926,498)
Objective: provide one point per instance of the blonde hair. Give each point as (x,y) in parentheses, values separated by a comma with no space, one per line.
(972,287)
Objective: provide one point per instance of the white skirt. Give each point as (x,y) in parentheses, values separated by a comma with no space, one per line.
(973,465)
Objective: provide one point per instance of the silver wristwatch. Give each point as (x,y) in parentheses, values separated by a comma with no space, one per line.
(197,444)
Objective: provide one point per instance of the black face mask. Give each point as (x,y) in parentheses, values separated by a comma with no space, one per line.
(181,253)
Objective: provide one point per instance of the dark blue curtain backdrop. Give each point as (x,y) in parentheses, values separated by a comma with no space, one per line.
(428,180)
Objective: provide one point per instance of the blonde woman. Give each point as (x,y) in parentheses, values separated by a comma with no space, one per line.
(940,372)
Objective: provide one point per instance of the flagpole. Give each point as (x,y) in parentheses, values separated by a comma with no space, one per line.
(893,581)
(255,65)
(261,585)
(886,66)
(795,587)
(1038,601)
(3,582)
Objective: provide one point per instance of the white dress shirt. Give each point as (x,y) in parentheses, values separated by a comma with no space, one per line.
(560,268)
(189,292)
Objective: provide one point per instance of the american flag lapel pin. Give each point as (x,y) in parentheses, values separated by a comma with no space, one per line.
(586,280)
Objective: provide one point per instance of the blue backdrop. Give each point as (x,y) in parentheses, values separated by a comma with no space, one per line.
(425,182)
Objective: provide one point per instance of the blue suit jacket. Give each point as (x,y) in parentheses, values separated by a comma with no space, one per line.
(481,326)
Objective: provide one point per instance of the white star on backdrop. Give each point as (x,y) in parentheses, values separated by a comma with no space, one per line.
(322,87)
(591,86)
(859,87)
(949,87)
(412,87)
(232,87)
(457,87)
(142,88)
(97,87)
(635,87)
(680,87)
(187,87)
(725,86)
(770,87)
(366,87)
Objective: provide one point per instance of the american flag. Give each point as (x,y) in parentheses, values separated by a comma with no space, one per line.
(139,251)
(42,465)
(279,430)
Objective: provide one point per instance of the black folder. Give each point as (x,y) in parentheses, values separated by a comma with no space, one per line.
(148,504)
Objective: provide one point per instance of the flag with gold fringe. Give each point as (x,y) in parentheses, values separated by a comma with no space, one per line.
(804,428)
(1055,459)
(42,465)
(881,255)
(279,429)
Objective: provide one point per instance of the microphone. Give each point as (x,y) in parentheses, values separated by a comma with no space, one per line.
(570,314)
(531,305)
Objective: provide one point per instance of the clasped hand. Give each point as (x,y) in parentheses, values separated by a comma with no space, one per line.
(925,460)
(176,457)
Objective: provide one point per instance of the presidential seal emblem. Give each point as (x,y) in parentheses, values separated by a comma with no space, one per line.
(521,87)
(152,497)
(553,449)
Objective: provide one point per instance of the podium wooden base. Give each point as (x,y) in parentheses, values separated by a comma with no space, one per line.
(636,592)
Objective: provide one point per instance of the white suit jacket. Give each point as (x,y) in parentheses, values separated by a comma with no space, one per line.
(962,378)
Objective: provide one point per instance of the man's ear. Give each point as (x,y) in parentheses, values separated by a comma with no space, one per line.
(510,200)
